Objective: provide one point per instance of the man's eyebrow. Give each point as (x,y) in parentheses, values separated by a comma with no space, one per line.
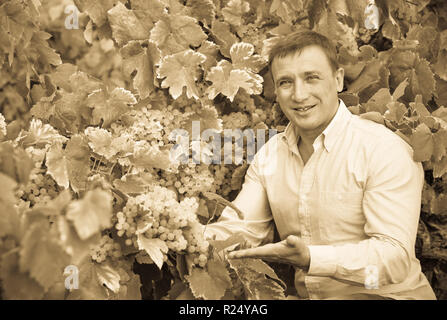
(307,73)
(284,76)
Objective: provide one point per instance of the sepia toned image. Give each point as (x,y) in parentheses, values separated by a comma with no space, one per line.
(238,151)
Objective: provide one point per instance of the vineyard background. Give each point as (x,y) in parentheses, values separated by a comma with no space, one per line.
(85,173)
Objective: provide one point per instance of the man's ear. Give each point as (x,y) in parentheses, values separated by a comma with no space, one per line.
(339,77)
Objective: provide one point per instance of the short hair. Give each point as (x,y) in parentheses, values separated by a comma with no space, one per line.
(297,41)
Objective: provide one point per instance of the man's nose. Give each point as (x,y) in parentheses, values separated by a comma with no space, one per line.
(299,92)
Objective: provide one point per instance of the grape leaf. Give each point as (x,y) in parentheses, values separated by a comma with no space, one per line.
(419,107)
(400,90)
(154,248)
(100,140)
(97,10)
(265,289)
(108,107)
(17,285)
(143,61)
(125,25)
(9,217)
(440,167)
(440,144)
(177,33)
(223,37)
(68,112)
(61,76)
(373,116)
(422,81)
(92,213)
(427,38)
(256,265)
(208,118)
(422,143)
(15,162)
(204,286)
(108,276)
(55,206)
(133,289)
(42,255)
(181,70)
(222,201)
(440,113)
(134,183)
(77,154)
(227,81)
(77,248)
(441,60)
(242,57)
(234,10)
(369,75)
(203,10)
(40,134)
(441,94)
(150,157)
(378,102)
(257,285)
(219,245)
(40,51)
(56,163)
(396,111)
(89,284)
(152,10)
(209,50)
(83,84)
(287,10)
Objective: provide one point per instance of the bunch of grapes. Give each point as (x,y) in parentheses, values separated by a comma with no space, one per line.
(151,125)
(222,179)
(260,115)
(106,247)
(158,215)
(190,180)
(40,189)
(235,120)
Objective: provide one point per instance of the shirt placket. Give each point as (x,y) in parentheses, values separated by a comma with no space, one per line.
(307,179)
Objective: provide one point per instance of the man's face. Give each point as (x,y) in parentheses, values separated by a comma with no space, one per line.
(306,89)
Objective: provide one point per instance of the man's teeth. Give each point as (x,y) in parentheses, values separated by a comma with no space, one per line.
(304,109)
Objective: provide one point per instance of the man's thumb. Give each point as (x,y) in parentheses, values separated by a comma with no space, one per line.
(293,241)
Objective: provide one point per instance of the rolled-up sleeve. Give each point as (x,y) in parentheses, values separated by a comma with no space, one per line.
(391,205)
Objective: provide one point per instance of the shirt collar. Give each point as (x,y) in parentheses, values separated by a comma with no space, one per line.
(330,134)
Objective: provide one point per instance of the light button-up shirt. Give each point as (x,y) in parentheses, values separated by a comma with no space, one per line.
(356,204)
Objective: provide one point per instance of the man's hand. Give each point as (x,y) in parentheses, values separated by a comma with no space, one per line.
(292,250)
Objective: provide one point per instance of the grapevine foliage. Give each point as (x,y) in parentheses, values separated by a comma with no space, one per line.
(87,177)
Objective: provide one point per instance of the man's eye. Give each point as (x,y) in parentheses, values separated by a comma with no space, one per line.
(312,78)
(284,83)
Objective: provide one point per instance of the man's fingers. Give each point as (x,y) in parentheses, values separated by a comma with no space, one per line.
(264,251)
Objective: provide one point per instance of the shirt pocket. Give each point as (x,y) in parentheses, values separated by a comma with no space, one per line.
(340,216)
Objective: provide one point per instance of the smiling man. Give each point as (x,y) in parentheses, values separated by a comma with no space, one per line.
(343,192)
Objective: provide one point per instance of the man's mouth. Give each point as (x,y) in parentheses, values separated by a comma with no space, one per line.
(304,108)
